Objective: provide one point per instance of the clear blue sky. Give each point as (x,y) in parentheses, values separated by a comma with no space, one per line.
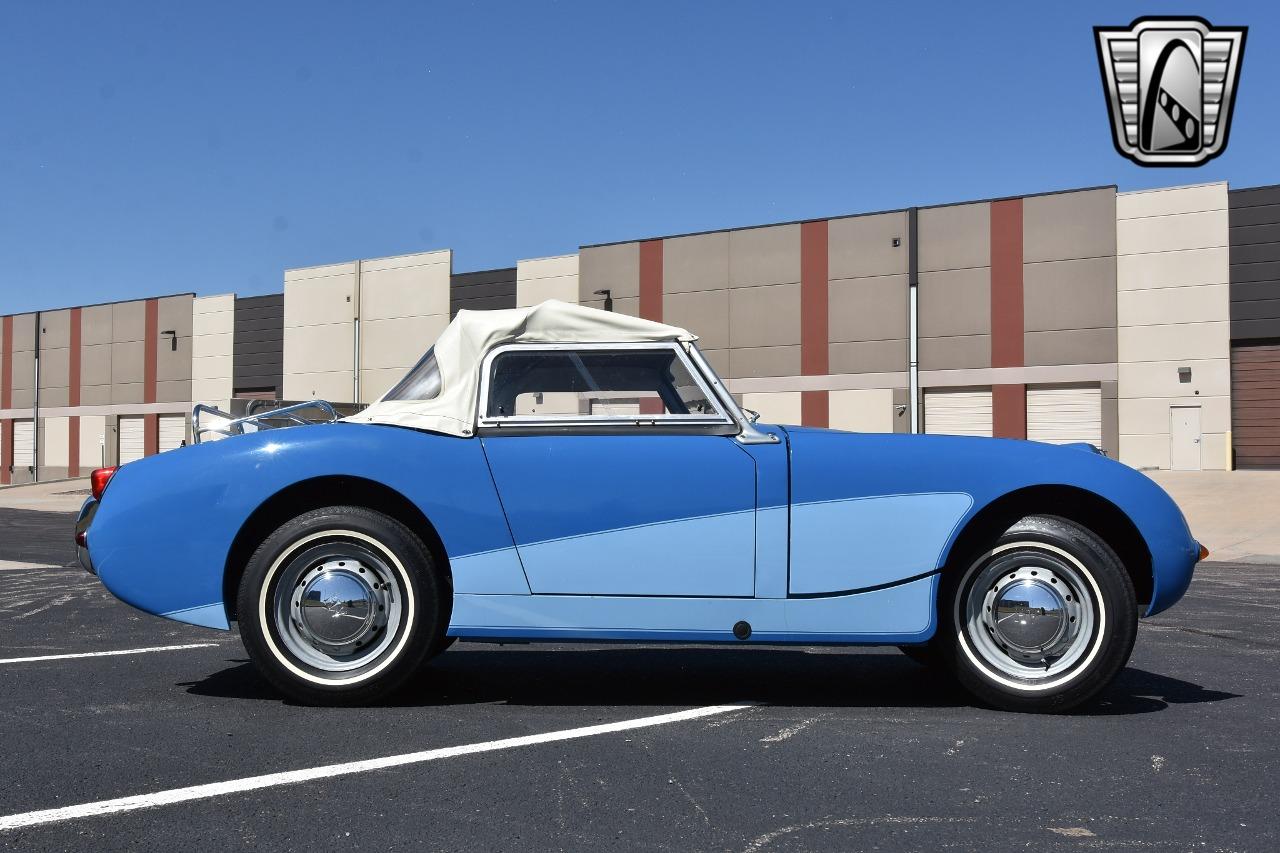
(150,148)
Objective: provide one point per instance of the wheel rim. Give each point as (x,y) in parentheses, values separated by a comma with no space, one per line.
(1030,614)
(337,606)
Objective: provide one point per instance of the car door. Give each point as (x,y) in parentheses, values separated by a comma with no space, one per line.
(618,473)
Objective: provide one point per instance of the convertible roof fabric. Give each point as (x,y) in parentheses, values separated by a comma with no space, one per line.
(465,341)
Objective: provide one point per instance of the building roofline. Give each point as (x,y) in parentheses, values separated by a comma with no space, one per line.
(100,304)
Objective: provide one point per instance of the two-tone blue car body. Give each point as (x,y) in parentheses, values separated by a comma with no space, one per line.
(641,513)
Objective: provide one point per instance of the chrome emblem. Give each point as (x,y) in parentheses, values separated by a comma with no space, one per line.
(1170,84)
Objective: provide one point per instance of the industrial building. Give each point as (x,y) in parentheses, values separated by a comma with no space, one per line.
(1146,323)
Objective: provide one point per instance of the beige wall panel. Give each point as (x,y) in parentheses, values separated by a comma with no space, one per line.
(719,360)
(699,262)
(1144,451)
(320,301)
(1170,305)
(1132,205)
(399,342)
(95,395)
(216,367)
(1170,343)
(1172,233)
(954,237)
(95,325)
(55,331)
(318,349)
(1160,379)
(212,392)
(862,411)
(540,279)
(1075,346)
(92,432)
(127,362)
(404,292)
(705,313)
(129,321)
(95,365)
(173,391)
(24,332)
(778,407)
(868,309)
(217,346)
(1065,226)
(174,312)
(216,304)
(126,392)
(335,386)
(22,398)
(171,364)
(1150,415)
(1173,269)
(956,302)
(347,268)
(861,246)
(415,259)
(376,382)
(1213,451)
(764,256)
(764,361)
(54,444)
(964,352)
(54,398)
(55,366)
(1069,295)
(764,316)
(616,268)
(629,305)
(23,375)
(867,357)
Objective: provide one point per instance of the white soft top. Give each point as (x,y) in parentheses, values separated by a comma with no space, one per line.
(464,343)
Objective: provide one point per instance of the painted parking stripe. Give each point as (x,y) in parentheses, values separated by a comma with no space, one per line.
(293,777)
(15,566)
(109,654)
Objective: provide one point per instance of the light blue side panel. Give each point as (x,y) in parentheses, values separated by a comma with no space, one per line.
(206,616)
(901,614)
(711,555)
(772,543)
(489,573)
(865,542)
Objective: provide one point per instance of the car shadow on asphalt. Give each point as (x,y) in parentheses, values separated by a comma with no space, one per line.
(648,676)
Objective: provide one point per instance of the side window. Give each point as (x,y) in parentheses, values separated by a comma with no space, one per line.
(649,383)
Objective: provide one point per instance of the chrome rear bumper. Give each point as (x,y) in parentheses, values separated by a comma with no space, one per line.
(83,521)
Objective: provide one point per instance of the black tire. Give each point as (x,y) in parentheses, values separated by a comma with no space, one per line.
(1038,554)
(306,547)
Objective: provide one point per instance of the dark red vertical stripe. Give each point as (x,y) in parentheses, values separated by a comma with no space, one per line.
(6,449)
(73,395)
(651,301)
(1008,402)
(815,407)
(150,338)
(150,435)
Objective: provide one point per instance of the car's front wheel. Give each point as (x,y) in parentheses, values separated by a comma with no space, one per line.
(340,606)
(1042,620)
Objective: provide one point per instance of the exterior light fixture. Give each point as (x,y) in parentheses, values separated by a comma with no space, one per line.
(173,341)
(608,298)
(1184,375)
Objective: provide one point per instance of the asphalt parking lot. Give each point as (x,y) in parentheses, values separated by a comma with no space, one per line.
(819,749)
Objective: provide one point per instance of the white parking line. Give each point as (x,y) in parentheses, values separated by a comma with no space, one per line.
(293,777)
(13,566)
(109,654)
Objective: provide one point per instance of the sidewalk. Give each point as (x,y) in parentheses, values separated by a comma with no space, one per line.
(49,497)
(1235,514)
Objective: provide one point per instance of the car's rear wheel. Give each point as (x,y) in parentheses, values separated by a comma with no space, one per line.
(1040,621)
(340,606)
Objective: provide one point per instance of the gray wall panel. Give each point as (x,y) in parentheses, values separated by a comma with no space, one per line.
(483,290)
(1255,263)
(258,349)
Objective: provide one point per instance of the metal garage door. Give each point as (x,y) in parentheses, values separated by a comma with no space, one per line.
(958,412)
(1062,415)
(24,445)
(173,431)
(1255,405)
(131,439)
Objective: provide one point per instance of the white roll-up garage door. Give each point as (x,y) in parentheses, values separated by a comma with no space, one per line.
(1062,415)
(958,412)
(173,430)
(131,445)
(24,444)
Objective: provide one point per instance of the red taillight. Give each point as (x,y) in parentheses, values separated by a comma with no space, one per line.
(98,480)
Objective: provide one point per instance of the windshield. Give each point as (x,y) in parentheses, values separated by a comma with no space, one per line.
(420,383)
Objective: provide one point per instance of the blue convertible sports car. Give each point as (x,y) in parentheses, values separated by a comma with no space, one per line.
(561,473)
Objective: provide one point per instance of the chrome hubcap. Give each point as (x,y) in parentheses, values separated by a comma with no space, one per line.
(337,606)
(1029,614)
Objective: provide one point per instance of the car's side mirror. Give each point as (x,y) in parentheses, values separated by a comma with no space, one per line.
(752,415)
